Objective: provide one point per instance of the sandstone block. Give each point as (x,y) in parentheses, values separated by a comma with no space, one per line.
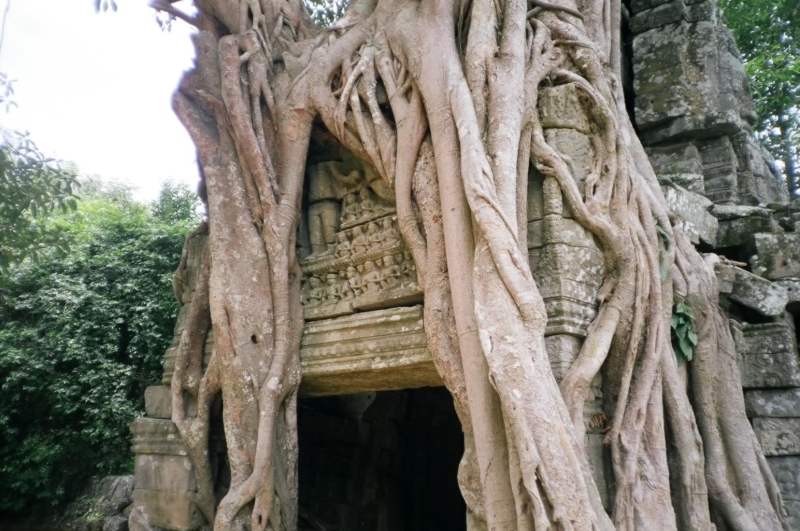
(736,231)
(792,287)
(569,278)
(115,523)
(113,492)
(700,11)
(368,351)
(658,16)
(787,474)
(655,108)
(158,402)
(165,473)
(693,210)
(679,163)
(567,231)
(778,436)
(641,5)
(658,80)
(777,255)
(171,510)
(729,212)
(156,436)
(560,107)
(562,349)
(773,403)
(655,51)
(575,147)
(756,293)
(535,234)
(769,356)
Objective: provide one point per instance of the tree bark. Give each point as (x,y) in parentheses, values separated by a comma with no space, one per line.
(455,143)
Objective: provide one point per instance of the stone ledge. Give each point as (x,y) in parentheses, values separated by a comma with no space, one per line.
(756,293)
(156,436)
(773,403)
(693,211)
(371,351)
(171,510)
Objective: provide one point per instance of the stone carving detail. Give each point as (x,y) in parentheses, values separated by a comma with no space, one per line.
(358,260)
(769,355)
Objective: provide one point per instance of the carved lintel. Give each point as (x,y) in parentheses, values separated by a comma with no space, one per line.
(369,351)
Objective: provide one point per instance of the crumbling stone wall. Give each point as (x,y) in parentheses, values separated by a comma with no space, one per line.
(693,110)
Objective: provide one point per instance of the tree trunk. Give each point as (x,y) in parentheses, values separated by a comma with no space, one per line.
(441,99)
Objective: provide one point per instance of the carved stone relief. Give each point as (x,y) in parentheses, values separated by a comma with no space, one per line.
(358,259)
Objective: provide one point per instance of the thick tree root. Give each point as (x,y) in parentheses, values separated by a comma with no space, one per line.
(455,141)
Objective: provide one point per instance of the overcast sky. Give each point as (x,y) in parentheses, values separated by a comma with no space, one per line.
(95,88)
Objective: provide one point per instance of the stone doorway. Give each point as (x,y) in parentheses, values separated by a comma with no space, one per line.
(384,461)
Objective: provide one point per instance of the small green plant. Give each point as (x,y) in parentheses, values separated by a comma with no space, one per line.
(684,338)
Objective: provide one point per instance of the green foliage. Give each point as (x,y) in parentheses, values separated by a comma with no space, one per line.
(176,202)
(32,187)
(81,336)
(768,34)
(684,337)
(326,12)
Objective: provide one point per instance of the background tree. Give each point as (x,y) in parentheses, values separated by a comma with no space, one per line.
(32,187)
(768,35)
(81,335)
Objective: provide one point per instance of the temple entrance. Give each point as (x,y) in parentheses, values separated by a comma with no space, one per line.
(384,461)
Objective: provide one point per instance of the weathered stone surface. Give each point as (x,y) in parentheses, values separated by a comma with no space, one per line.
(773,403)
(777,255)
(158,402)
(678,163)
(569,278)
(156,436)
(165,473)
(115,523)
(562,349)
(171,510)
(693,210)
(689,82)
(720,166)
(792,287)
(641,5)
(787,474)
(369,351)
(658,16)
(758,183)
(560,107)
(576,148)
(113,493)
(729,212)
(756,293)
(737,231)
(778,436)
(769,356)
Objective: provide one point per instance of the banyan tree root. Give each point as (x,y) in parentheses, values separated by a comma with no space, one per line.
(441,97)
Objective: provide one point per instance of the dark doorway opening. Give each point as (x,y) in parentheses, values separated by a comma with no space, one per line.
(382,461)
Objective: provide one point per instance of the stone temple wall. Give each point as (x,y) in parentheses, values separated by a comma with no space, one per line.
(364,332)
(692,107)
